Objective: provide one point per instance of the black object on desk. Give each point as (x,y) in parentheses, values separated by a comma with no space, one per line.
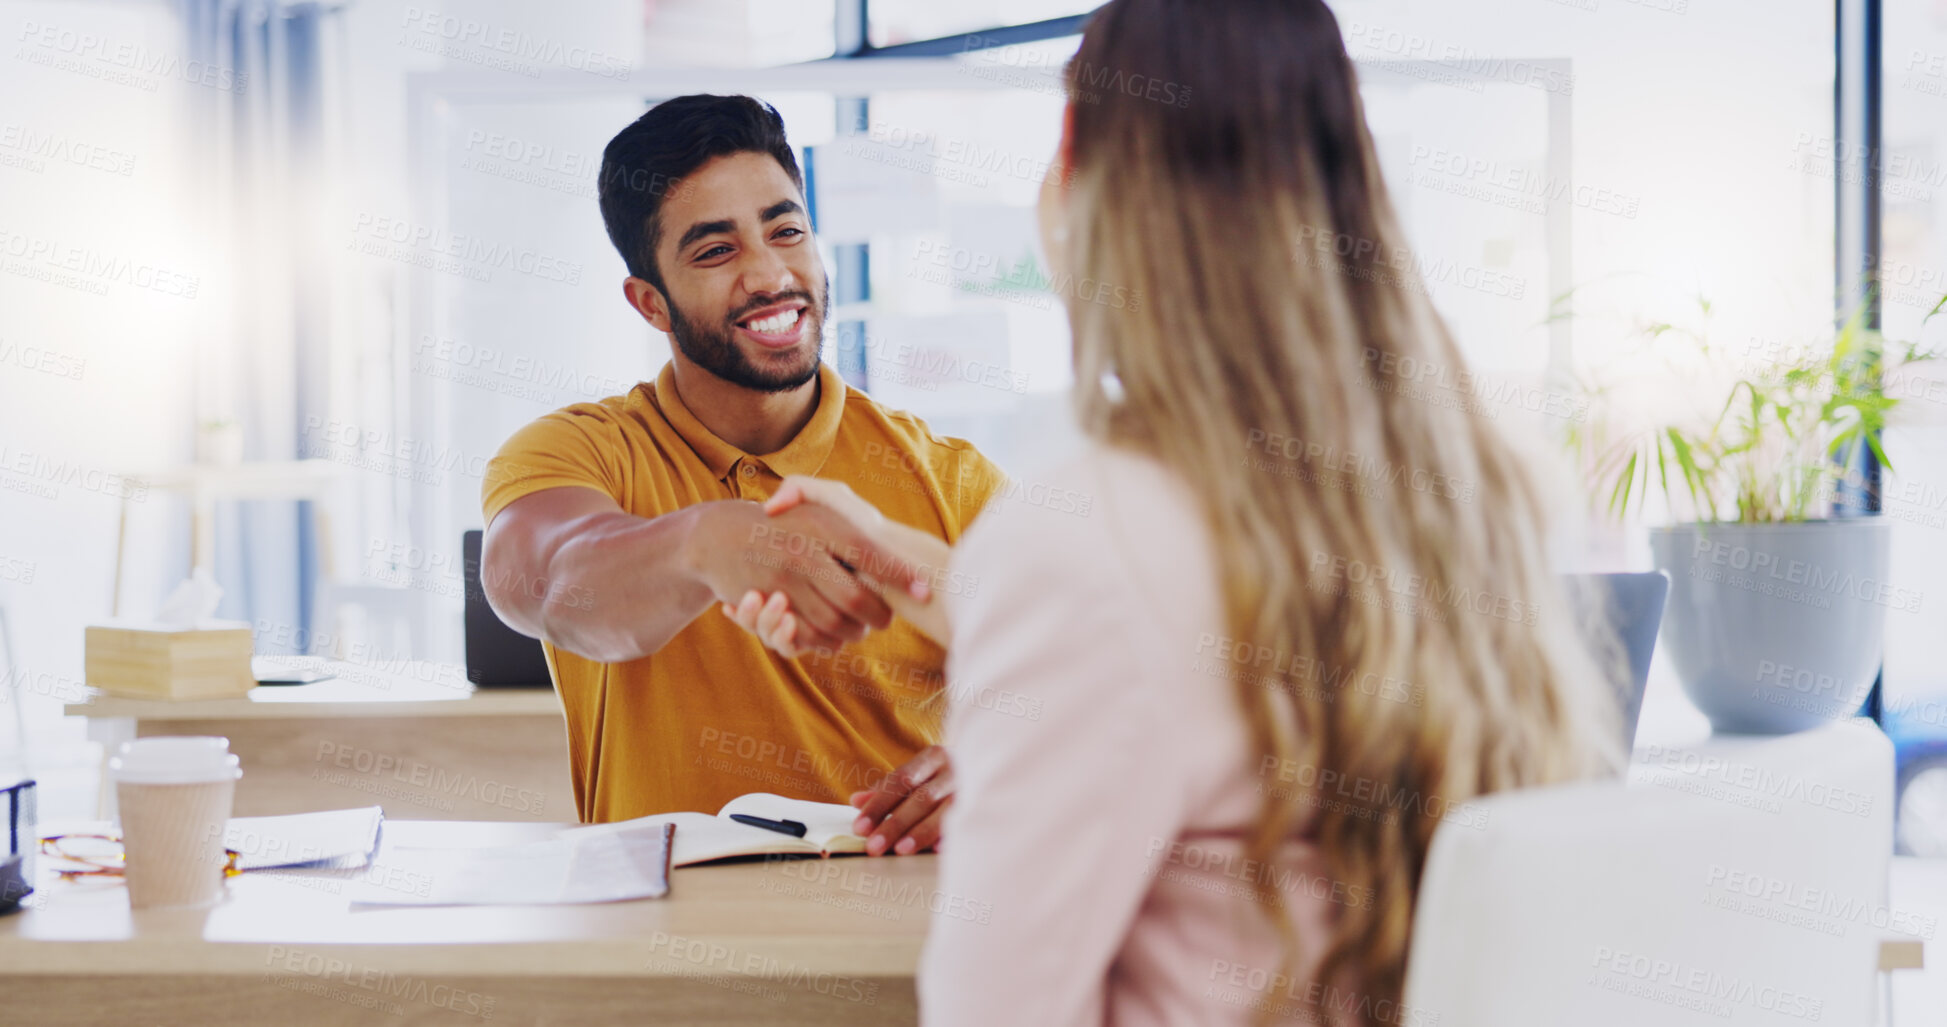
(497,656)
(288,671)
(790,827)
(17,872)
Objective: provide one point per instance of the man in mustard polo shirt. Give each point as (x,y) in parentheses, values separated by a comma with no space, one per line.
(614,529)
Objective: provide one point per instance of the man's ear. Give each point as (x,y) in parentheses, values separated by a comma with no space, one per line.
(648,301)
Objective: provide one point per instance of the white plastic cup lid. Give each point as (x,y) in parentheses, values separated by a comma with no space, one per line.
(187,759)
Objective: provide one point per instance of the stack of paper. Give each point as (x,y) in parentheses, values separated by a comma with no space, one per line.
(605,868)
(340,839)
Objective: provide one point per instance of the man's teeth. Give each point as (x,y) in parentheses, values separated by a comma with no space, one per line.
(776,323)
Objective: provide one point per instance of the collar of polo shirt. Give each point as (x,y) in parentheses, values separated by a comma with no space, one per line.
(804,454)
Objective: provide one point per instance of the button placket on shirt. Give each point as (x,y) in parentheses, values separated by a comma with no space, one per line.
(745,481)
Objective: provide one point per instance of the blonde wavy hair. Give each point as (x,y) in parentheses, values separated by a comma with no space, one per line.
(1249,315)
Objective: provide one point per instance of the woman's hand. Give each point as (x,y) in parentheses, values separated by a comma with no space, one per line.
(835,496)
(918,555)
(771,620)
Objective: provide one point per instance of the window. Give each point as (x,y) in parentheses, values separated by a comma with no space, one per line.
(891,22)
(938,189)
(1912,166)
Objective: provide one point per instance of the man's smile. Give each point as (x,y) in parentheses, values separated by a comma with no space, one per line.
(777,326)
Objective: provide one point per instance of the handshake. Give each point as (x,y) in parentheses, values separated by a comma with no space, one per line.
(817,567)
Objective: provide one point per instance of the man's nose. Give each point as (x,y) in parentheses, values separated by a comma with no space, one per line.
(766,272)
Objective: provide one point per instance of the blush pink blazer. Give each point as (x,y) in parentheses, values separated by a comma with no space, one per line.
(1090,869)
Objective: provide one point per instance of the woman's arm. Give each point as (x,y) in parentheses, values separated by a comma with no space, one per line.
(1072,780)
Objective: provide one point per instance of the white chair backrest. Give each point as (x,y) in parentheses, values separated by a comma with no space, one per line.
(1741,881)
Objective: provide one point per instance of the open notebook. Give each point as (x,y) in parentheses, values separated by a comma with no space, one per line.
(701,837)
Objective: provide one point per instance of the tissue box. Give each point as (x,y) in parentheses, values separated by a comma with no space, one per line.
(149,662)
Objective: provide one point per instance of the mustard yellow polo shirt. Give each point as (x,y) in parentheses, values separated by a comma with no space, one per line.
(714,714)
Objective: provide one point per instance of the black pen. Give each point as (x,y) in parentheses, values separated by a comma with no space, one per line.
(790,827)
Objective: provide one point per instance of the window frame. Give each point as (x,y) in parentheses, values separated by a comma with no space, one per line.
(854,38)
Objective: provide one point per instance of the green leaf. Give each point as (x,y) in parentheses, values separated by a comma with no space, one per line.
(1623,489)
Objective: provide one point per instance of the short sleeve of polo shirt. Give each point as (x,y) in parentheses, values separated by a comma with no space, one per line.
(579,445)
(978,480)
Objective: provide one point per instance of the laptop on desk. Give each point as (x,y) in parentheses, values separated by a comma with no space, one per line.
(1631,608)
(497,656)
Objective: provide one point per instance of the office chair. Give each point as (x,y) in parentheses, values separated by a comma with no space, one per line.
(497,656)
(1613,904)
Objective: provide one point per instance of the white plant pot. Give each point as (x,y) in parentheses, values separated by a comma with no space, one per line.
(1775,628)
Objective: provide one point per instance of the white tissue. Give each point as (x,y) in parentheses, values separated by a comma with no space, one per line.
(193,602)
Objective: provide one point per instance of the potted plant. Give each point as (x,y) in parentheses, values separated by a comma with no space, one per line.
(1777,608)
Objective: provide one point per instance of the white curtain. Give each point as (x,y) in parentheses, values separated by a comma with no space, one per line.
(269,130)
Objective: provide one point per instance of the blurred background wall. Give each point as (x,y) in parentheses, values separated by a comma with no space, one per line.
(364,234)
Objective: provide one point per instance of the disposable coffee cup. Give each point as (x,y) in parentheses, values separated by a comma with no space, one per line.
(175,796)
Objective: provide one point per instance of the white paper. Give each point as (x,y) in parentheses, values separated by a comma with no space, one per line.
(825,822)
(192,603)
(699,837)
(339,839)
(601,868)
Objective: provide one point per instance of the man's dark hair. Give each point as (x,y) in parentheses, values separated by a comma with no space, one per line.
(645,162)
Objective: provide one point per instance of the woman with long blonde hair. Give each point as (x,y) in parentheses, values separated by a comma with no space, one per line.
(1202,736)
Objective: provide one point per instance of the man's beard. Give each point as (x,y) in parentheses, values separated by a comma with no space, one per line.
(715,349)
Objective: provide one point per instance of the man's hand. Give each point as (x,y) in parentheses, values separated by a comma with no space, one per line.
(902,582)
(903,814)
(805,554)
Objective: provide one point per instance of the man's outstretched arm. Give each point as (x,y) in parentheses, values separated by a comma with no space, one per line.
(570,566)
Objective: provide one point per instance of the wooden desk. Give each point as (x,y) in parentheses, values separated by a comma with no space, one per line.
(412,736)
(801,941)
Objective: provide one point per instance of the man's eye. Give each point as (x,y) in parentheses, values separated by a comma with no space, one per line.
(791,231)
(713,252)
